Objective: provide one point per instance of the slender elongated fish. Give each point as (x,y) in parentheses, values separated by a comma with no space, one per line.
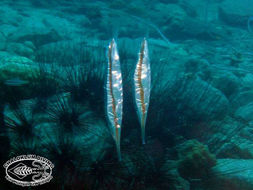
(142,81)
(114,93)
(15,82)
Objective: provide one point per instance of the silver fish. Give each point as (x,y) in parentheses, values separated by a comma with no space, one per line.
(15,82)
(142,81)
(114,93)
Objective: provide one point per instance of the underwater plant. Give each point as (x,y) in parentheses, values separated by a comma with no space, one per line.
(114,93)
(142,78)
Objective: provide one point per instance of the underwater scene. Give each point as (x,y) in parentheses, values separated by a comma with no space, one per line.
(126,94)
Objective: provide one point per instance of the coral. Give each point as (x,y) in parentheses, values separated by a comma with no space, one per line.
(38,80)
(195,160)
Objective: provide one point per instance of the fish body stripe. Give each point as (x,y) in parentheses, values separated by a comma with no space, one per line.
(142,79)
(114,90)
(114,94)
(111,89)
(139,83)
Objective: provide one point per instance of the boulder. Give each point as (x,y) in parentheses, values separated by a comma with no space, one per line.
(232,150)
(195,160)
(234,174)
(16,67)
(90,142)
(247,81)
(236,13)
(241,99)
(48,27)
(69,53)
(226,82)
(198,99)
(245,112)
(175,24)
(39,37)
(20,49)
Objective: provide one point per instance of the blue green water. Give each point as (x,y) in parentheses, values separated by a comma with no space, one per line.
(135,95)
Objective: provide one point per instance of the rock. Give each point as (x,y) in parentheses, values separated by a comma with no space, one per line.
(156,45)
(90,142)
(20,49)
(234,174)
(9,19)
(196,65)
(48,27)
(8,30)
(195,160)
(198,99)
(188,8)
(169,1)
(4,54)
(231,150)
(178,183)
(95,140)
(17,67)
(231,138)
(69,53)
(187,94)
(38,38)
(226,82)
(2,41)
(236,13)
(245,112)
(177,25)
(16,75)
(190,28)
(247,81)
(30,45)
(247,135)
(232,19)
(168,14)
(241,99)
(168,22)
(81,20)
